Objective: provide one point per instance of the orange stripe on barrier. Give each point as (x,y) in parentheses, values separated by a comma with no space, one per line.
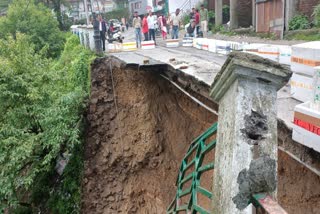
(308,62)
(269,53)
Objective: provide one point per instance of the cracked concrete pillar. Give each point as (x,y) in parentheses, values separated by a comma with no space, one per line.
(246,153)
(218,12)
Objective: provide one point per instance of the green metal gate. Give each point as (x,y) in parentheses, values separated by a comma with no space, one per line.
(200,147)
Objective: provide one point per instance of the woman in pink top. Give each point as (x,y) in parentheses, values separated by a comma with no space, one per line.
(164,27)
(145,28)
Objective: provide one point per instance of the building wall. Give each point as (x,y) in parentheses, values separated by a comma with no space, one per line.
(306,6)
(294,7)
(270,17)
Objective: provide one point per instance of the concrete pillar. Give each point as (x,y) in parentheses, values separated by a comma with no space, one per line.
(290,11)
(234,22)
(254,14)
(246,152)
(218,12)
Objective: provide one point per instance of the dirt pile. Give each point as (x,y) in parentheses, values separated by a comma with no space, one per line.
(140,126)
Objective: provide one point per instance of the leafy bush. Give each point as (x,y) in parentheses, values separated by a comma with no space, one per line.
(36,21)
(117,14)
(316,15)
(41,106)
(225,13)
(299,22)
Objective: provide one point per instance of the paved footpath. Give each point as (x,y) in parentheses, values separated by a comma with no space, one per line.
(202,65)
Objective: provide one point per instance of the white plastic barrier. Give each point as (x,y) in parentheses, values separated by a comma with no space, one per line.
(305,57)
(223,47)
(301,87)
(187,42)
(199,43)
(306,128)
(315,104)
(285,54)
(117,47)
(129,46)
(195,42)
(205,44)
(235,46)
(172,43)
(212,45)
(269,52)
(252,48)
(145,45)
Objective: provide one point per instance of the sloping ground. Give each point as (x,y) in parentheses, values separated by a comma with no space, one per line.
(140,127)
(139,130)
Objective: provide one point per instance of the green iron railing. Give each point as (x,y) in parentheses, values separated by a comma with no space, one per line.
(263,203)
(200,147)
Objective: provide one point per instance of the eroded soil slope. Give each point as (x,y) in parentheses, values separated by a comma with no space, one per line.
(139,129)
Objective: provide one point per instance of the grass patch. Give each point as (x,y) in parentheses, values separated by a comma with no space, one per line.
(306,35)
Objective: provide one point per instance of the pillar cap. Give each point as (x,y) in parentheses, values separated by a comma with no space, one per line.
(251,67)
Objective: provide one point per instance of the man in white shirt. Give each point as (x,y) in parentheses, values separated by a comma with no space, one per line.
(176,21)
(151,25)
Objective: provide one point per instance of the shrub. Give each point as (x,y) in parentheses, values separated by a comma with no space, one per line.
(299,22)
(316,16)
(225,13)
(41,104)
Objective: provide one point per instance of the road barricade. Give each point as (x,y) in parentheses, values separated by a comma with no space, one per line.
(129,46)
(212,45)
(305,57)
(252,48)
(269,52)
(223,47)
(301,87)
(235,46)
(285,54)
(172,43)
(145,45)
(187,42)
(205,44)
(112,48)
(306,127)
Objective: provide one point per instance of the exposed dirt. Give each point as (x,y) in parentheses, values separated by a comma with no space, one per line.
(139,130)
(136,140)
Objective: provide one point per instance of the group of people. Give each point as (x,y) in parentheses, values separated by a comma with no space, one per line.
(151,23)
(198,20)
(169,25)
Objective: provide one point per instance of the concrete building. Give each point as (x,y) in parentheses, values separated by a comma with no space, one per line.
(264,15)
(143,6)
(76,8)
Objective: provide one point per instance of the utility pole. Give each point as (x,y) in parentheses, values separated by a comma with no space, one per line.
(218,12)
(86,11)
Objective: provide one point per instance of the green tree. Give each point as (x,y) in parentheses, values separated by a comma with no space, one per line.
(41,106)
(36,21)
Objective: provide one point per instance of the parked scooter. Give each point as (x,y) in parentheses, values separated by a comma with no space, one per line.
(114,35)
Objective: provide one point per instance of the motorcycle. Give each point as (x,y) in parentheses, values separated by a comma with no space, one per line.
(114,35)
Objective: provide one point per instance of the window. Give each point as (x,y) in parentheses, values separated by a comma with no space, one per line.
(137,5)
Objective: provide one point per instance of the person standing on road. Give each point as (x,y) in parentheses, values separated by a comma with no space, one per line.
(169,26)
(163,23)
(136,23)
(102,29)
(176,20)
(197,22)
(151,25)
(204,17)
(145,29)
(192,14)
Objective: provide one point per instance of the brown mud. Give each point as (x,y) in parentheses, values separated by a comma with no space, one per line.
(139,128)
(137,136)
